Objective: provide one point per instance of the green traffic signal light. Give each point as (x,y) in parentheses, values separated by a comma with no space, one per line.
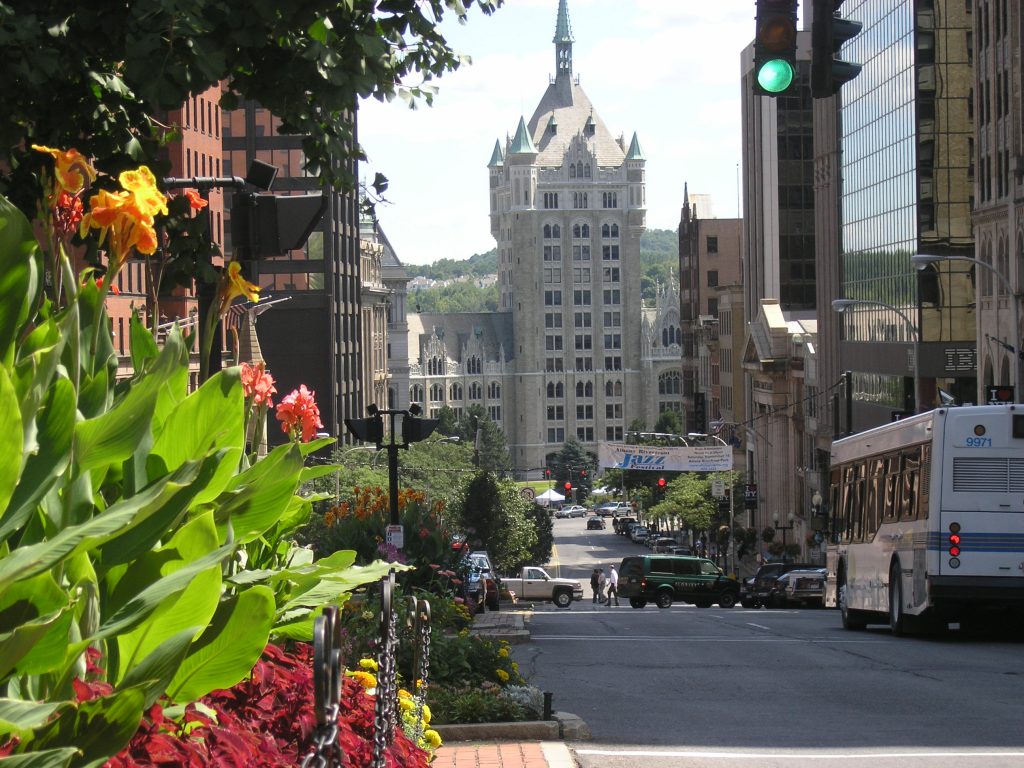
(775,75)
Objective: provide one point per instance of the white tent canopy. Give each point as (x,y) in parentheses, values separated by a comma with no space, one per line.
(550,497)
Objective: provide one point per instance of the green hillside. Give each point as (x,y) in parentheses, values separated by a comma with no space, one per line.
(659,257)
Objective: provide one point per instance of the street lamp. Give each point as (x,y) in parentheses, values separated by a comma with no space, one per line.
(775,524)
(922,260)
(841,305)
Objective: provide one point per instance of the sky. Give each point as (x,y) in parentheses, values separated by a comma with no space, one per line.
(668,70)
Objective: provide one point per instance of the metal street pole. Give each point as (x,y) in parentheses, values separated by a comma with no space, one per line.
(922,260)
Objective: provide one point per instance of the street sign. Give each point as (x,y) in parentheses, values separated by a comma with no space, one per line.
(395,536)
(718,488)
(750,496)
(528,493)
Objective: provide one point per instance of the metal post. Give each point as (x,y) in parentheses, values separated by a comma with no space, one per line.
(848,389)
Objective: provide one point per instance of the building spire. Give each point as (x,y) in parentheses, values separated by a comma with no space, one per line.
(563,42)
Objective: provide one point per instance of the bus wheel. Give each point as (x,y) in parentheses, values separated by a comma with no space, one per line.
(851,619)
(897,619)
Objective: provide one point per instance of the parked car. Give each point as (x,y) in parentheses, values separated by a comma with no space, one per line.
(596,524)
(639,533)
(662,579)
(801,586)
(619,524)
(764,581)
(661,543)
(481,561)
(679,549)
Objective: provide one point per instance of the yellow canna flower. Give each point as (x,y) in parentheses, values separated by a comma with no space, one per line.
(233,285)
(432,737)
(406,705)
(142,183)
(70,168)
(365,679)
(368,664)
(503,652)
(426,714)
(404,694)
(502,675)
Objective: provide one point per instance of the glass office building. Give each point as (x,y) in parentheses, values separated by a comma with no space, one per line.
(907,188)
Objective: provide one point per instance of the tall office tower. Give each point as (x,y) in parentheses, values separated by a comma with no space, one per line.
(998,162)
(907,169)
(778,191)
(315,337)
(567,203)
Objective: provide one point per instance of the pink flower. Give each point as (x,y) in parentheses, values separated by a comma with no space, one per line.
(297,411)
(258,385)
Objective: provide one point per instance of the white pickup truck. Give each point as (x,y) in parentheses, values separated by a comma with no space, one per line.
(534,583)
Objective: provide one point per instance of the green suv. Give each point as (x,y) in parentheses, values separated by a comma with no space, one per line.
(666,578)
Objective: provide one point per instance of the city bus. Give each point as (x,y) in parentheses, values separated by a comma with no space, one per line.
(927,519)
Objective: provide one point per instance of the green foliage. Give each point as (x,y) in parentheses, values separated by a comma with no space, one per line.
(109,70)
(477,265)
(569,464)
(465,704)
(659,261)
(125,510)
(494,517)
(460,296)
(540,553)
(493,454)
(669,422)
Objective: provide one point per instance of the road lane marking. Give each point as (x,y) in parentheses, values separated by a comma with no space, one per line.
(759,626)
(924,755)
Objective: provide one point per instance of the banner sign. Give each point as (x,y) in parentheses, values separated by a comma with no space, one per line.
(660,458)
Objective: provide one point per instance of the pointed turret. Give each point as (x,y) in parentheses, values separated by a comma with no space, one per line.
(634,152)
(522,144)
(563,42)
(497,158)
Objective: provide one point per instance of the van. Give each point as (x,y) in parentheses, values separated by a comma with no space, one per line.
(663,579)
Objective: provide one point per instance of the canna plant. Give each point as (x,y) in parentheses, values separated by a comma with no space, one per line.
(134,525)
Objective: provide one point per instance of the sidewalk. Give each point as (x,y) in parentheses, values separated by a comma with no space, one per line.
(506,754)
(508,624)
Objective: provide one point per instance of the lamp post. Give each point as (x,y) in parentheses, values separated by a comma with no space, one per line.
(783,528)
(922,260)
(371,429)
(841,305)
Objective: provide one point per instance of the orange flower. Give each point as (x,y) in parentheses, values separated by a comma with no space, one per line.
(299,411)
(257,384)
(195,200)
(126,217)
(142,184)
(70,168)
(67,212)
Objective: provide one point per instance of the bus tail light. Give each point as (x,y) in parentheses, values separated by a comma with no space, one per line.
(954,540)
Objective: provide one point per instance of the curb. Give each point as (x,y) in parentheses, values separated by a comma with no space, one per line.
(564,726)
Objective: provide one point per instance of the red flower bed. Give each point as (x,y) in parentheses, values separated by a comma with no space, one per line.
(266,721)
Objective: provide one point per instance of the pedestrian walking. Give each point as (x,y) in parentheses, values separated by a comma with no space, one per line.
(613,585)
(595,583)
(601,581)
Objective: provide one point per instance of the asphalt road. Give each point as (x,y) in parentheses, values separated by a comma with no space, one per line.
(688,687)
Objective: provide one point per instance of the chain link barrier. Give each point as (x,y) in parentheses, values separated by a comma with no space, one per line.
(326,751)
(387,674)
(418,622)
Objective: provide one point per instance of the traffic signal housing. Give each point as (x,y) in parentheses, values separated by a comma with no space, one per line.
(775,47)
(271,225)
(828,33)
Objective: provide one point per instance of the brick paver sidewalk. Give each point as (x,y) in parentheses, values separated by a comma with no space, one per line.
(507,754)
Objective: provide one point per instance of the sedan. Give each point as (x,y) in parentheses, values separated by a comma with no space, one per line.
(639,533)
(596,524)
(661,544)
(805,586)
(574,510)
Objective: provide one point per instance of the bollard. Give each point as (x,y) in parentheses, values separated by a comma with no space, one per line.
(547,705)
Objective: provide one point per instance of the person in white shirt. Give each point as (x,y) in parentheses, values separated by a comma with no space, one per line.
(613,585)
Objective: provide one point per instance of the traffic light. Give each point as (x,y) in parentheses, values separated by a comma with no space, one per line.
(415,429)
(568,487)
(828,33)
(661,483)
(271,225)
(775,47)
(583,474)
(547,474)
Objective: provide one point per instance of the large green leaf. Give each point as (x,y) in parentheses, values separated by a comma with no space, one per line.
(155,672)
(16,714)
(209,419)
(27,561)
(264,496)
(18,276)
(18,643)
(175,388)
(193,607)
(111,436)
(143,345)
(33,613)
(54,426)
(38,357)
(136,610)
(12,439)
(47,758)
(229,648)
(97,728)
